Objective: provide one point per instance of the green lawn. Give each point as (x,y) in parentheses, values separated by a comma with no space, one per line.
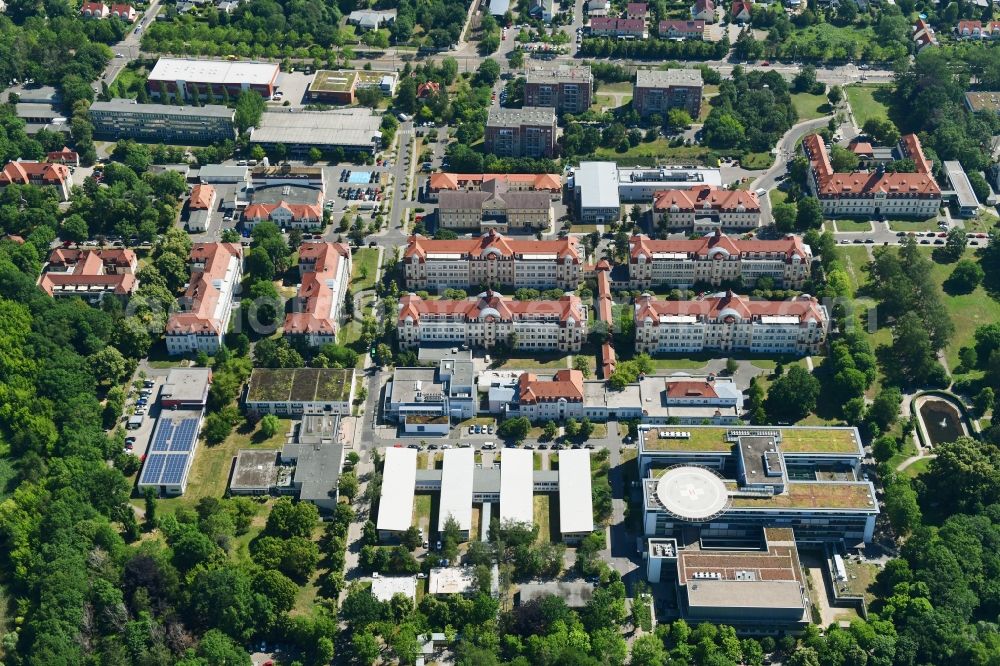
(618,87)
(777,196)
(128,82)
(422,503)
(757,161)
(967,311)
(855,258)
(853,225)
(917,468)
(602,101)
(658,151)
(865,103)
(982,223)
(365,266)
(543,516)
(930,224)
(538,362)
(810,106)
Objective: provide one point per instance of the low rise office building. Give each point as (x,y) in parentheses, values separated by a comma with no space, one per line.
(301,391)
(491,319)
(876,193)
(659,90)
(325,275)
(89,274)
(729,323)
(595,189)
(190,77)
(427,400)
(566,89)
(354,130)
(341,86)
(492,260)
(706,208)
(526,132)
(207,305)
(162,123)
(715,259)
(729,483)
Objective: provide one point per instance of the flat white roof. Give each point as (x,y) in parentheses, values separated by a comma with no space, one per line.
(456,487)
(517,486)
(384,588)
(576,504)
(214,71)
(395,509)
(598,184)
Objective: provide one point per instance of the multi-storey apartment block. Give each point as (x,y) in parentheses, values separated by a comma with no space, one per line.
(89,274)
(124,119)
(325,272)
(715,259)
(207,305)
(502,211)
(729,323)
(491,319)
(728,483)
(706,208)
(874,193)
(525,132)
(566,89)
(658,91)
(492,260)
(492,182)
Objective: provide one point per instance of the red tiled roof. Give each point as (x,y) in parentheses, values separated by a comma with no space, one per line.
(83,268)
(201,197)
(690,389)
(455,181)
(259,211)
(491,305)
(22,173)
(315,298)
(703,6)
(64,154)
(969,25)
(99,7)
(428,88)
(712,308)
(202,295)
(830,183)
(636,9)
(605,23)
(704,198)
(565,385)
(739,6)
(608,360)
(861,148)
(644,246)
(472,248)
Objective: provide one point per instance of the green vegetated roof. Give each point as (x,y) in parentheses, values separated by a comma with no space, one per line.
(300,385)
(812,496)
(793,440)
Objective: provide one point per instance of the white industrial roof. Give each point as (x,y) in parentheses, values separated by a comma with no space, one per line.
(348,127)
(598,184)
(214,71)
(456,488)
(395,509)
(384,588)
(576,504)
(517,486)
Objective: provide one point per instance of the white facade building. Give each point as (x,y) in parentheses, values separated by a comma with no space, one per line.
(207,305)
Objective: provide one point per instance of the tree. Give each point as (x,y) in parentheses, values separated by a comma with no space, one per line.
(217,427)
(149,495)
(901,505)
(792,396)
(984,400)
(884,409)
(289,519)
(269,425)
(74,228)
(784,214)
(979,186)
(809,214)
(249,109)
(488,72)
(582,363)
(572,427)
(835,95)
(843,160)
(586,428)
(965,277)
(109,366)
(411,538)
(515,429)
(348,485)
(648,650)
(954,245)
(550,430)
(805,80)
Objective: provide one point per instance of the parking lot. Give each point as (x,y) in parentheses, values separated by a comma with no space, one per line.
(139,437)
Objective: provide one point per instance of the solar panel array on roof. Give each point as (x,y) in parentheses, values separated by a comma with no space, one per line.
(184,435)
(162,435)
(173,469)
(154,467)
(171,450)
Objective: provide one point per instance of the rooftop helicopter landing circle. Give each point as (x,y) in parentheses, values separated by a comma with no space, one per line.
(692,493)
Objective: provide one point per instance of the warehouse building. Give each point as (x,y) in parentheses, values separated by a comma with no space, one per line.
(162,123)
(352,130)
(595,187)
(395,508)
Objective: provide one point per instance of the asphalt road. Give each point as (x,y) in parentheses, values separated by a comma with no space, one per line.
(128,47)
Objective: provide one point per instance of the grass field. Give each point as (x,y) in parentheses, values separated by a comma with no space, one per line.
(917,468)
(865,102)
(853,225)
(365,263)
(617,87)
(209,475)
(777,196)
(757,161)
(810,106)
(422,504)
(982,223)
(967,311)
(128,82)
(855,258)
(658,151)
(930,224)
(538,362)
(860,577)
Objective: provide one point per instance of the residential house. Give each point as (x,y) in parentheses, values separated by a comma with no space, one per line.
(40,174)
(703,10)
(566,89)
(681,29)
(428,88)
(64,156)
(739,11)
(622,28)
(200,206)
(637,10)
(923,35)
(368,19)
(285,215)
